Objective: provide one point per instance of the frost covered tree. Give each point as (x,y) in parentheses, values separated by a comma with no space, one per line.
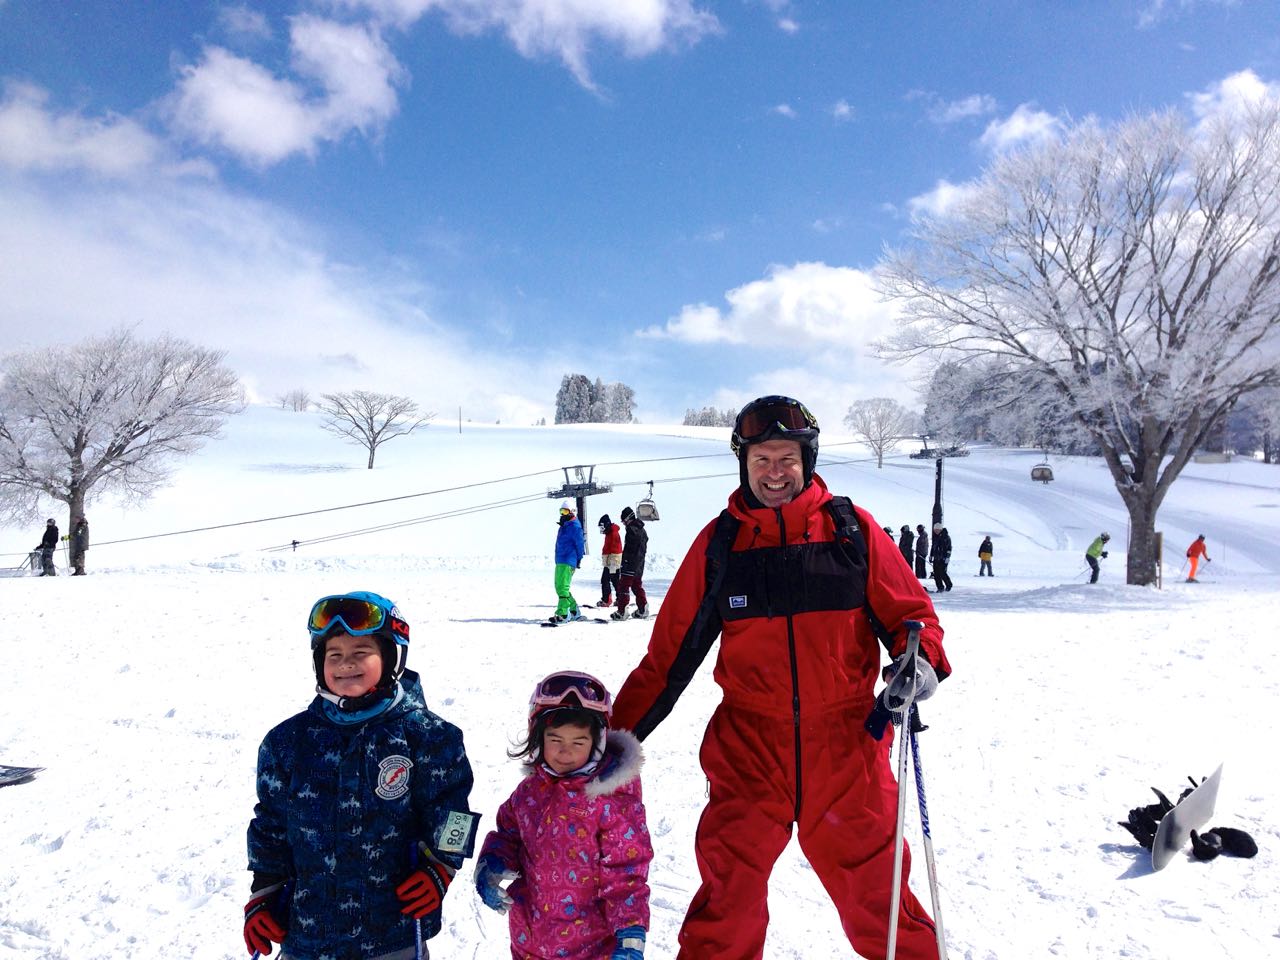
(880,423)
(370,419)
(709,417)
(1131,272)
(573,400)
(297,400)
(620,403)
(108,415)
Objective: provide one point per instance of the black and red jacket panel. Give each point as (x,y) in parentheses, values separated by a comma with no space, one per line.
(795,639)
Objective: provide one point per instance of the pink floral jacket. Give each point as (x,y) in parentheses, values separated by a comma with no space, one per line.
(581,847)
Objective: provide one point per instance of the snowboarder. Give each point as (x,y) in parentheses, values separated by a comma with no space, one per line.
(570,546)
(985,552)
(1096,549)
(79,544)
(798,663)
(593,865)
(922,551)
(351,792)
(940,555)
(48,544)
(1194,553)
(906,543)
(610,559)
(634,548)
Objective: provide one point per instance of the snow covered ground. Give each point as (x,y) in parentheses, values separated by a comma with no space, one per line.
(145,688)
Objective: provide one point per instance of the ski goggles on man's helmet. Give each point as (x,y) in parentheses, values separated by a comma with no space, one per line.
(772,418)
(357,614)
(557,690)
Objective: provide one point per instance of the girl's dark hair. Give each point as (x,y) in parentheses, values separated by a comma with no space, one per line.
(531,747)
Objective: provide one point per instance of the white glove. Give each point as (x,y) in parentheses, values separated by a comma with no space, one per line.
(899,683)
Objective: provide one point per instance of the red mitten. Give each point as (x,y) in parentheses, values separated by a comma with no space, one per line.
(422,892)
(260,927)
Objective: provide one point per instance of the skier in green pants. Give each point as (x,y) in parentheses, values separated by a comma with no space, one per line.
(570,546)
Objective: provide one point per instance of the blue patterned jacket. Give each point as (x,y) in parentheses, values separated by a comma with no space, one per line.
(338,810)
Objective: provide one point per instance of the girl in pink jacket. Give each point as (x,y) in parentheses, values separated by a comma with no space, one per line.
(572,838)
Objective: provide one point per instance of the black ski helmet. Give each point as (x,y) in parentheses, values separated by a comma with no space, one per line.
(775,417)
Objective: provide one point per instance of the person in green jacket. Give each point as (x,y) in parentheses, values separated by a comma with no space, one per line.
(1096,549)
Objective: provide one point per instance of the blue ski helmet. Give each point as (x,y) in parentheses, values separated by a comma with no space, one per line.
(359,614)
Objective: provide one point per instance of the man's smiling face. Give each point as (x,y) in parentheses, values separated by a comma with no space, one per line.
(775,471)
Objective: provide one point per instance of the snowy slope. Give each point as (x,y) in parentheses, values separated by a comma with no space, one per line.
(146,687)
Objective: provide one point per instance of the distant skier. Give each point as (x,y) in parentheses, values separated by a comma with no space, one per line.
(940,554)
(984,555)
(1194,553)
(922,551)
(570,547)
(1096,550)
(634,549)
(48,543)
(79,544)
(610,559)
(906,543)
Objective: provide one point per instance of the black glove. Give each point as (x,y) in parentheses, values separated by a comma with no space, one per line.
(1104,554)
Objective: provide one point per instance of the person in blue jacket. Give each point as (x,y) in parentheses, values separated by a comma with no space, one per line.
(570,546)
(362,817)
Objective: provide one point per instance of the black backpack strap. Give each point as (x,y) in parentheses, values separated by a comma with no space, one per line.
(849,536)
(702,631)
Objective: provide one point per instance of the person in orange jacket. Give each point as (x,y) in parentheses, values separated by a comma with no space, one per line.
(787,748)
(1194,553)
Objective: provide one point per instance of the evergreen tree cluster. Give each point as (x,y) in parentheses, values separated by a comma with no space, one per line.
(581,401)
(709,417)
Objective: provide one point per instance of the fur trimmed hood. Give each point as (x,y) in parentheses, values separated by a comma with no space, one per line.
(623,759)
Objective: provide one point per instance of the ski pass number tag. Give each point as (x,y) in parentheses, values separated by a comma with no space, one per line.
(458,834)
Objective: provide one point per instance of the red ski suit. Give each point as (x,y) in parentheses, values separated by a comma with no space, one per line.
(798,664)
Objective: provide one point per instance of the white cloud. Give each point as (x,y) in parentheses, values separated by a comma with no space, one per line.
(193,259)
(1154,11)
(842,110)
(939,201)
(787,25)
(975,105)
(231,102)
(1231,95)
(243,23)
(796,307)
(565,29)
(33,137)
(1025,124)
(784,110)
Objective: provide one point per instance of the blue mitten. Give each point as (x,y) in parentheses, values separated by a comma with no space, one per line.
(630,944)
(491,874)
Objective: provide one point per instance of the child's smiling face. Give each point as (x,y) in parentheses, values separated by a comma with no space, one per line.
(567,747)
(352,665)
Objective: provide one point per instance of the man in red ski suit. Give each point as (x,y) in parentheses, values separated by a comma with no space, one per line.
(798,663)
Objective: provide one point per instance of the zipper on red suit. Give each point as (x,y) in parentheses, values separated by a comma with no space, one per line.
(795,669)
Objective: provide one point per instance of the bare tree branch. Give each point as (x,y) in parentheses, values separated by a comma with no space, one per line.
(109,414)
(1130,274)
(370,419)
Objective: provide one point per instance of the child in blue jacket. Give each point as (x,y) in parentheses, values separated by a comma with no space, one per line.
(362,816)
(570,546)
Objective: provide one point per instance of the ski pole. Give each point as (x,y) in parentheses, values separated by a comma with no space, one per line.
(417,924)
(905,683)
(930,864)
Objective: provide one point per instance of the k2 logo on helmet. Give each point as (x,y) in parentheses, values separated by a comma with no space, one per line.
(393,777)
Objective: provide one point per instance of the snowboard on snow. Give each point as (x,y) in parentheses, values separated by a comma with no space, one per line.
(11,776)
(1190,813)
(552,623)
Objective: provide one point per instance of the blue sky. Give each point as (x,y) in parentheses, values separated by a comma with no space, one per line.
(462,200)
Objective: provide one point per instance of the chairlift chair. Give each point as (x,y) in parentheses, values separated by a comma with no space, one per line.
(1042,472)
(646,509)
